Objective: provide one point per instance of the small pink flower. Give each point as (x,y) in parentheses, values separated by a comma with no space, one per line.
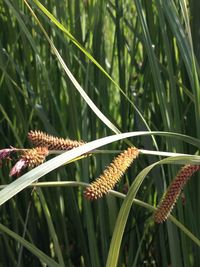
(16,170)
(5,153)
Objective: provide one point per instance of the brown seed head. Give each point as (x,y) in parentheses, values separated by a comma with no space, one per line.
(111,174)
(167,203)
(38,138)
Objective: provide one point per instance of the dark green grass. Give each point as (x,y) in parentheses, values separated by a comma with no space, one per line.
(151,51)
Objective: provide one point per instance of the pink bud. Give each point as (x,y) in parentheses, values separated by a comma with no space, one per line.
(5,153)
(21,164)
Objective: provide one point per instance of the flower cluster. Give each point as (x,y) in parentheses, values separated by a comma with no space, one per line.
(167,203)
(111,174)
(45,144)
(32,157)
(38,138)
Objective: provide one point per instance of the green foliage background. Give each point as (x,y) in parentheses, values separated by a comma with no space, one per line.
(151,51)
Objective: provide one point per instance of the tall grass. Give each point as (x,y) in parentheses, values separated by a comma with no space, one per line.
(87,70)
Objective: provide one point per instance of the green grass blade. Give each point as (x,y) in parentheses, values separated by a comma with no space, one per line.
(126,206)
(72,38)
(95,109)
(38,253)
(32,176)
(51,227)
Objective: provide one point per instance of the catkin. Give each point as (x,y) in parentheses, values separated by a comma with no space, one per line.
(38,138)
(111,174)
(167,203)
(35,156)
(30,158)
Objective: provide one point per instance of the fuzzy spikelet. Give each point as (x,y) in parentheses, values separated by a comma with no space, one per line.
(111,174)
(35,156)
(30,158)
(38,138)
(167,203)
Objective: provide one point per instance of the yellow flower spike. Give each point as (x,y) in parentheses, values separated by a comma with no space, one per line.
(111,174)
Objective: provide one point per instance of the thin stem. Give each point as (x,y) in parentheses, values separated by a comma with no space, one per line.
(120,195)
(141,151)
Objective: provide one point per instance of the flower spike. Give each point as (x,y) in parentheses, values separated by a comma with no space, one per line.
(30,158)
(111,174)
(38,138)
(167,203)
